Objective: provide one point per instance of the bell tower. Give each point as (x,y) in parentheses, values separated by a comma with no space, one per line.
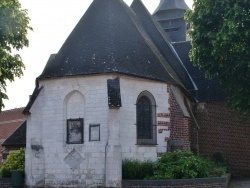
(170,15)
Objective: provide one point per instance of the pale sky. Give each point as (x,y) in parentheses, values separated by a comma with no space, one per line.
(52,21)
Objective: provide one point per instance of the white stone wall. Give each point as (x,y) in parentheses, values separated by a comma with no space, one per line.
(50,161)
(130,90)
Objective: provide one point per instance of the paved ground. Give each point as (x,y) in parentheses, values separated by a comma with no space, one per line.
(240,183)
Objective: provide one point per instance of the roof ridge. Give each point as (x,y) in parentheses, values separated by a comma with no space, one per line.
(11,110)
(163,61)
(170,5)
(12,121)
(107,39)
(136,7)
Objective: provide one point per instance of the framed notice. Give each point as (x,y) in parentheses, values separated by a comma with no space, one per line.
(94,132)
(75,131)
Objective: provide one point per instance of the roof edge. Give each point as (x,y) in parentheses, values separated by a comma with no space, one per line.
(22,124)
(34,95)
(176,5)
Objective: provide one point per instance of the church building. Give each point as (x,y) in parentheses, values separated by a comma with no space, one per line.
(121,86)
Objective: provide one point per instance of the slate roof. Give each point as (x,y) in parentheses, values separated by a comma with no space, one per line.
(208,90)
(34,95)
(170,10)
(162,42)
(113,38)
(18,138)
(109,39)
(171,5)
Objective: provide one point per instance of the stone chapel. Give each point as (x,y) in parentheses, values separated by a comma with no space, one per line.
(121,86)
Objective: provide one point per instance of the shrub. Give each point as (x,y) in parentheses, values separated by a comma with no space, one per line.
(182,165)
(5,173)
(135,169)
(220,162)
(218,171)
(15,161)
(176,165)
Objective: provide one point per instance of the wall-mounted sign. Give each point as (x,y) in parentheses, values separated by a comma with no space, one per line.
(94,132)
(75,131)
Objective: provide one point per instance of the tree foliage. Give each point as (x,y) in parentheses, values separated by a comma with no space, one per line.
(15,161)
(220,33)
(14,26)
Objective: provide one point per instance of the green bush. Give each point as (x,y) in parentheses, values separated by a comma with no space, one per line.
(15,161)
(135,169)
(218,171)
(5,173)
(182,165)
(176,165)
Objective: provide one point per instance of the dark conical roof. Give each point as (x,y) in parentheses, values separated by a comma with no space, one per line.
(162,42)
(171,5)
(108,39)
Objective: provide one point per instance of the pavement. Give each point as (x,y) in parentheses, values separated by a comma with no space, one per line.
(239,183)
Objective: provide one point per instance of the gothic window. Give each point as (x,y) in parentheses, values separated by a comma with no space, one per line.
(146,119)
(74,108)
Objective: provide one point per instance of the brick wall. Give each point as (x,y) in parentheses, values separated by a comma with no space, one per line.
(215,182)
(180,125)
(200,185)
(220,131)
(194,133)
(5,183)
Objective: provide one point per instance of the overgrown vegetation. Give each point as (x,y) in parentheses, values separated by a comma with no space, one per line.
(176,165)
(15,161)
(135,169)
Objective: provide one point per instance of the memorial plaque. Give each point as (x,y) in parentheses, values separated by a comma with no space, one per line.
(94,132)
(75,131)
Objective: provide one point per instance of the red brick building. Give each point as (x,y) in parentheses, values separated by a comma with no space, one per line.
(221,131)
(10,121)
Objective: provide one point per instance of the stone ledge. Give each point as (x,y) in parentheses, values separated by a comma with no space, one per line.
(215,182)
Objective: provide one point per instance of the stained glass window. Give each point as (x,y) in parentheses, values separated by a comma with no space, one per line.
(146,119)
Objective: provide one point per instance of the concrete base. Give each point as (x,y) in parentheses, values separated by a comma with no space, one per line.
(113,166)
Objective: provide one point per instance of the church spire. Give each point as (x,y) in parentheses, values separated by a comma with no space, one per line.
(170,15)
(171,5)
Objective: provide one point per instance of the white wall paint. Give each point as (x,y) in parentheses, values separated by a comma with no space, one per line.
(85,97)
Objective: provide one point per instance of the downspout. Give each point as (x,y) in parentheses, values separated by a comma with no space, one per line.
(105,166)
(195,121)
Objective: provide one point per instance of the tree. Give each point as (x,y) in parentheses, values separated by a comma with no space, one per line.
(15,161)
(220,33)
(14,26)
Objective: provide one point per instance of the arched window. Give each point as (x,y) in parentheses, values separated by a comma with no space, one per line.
(146,118)
(74,115)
